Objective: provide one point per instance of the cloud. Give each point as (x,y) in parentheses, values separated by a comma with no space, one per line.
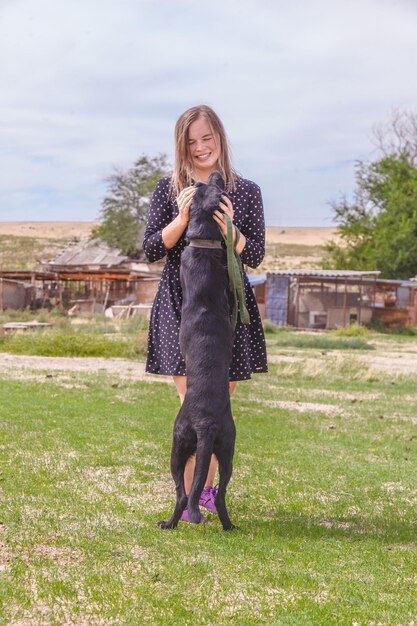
(90,85)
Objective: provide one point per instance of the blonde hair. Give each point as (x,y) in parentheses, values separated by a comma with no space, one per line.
(183,170)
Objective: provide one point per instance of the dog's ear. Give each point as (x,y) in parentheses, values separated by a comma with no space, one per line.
(216,179)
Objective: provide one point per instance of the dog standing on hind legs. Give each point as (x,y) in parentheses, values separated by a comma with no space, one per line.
(204,424)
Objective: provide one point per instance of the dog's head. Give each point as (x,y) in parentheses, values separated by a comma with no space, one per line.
(206,200)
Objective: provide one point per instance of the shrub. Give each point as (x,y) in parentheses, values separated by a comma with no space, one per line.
(353,330)
(270,327)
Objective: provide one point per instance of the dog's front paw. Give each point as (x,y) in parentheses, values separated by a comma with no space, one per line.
(231,527)
(165,525)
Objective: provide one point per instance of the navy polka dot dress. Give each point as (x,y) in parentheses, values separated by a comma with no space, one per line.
(249,351)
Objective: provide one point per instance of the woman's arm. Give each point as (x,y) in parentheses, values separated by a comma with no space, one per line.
(159,216)
(254,230)
(162,232)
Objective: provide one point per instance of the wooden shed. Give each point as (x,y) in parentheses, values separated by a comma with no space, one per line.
(15,294)
(321,299)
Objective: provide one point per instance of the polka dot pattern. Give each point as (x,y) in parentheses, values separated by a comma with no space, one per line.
(249,350)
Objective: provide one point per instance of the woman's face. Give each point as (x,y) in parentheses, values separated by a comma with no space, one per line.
(204,146)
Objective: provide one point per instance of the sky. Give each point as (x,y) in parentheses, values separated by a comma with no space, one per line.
(90,85)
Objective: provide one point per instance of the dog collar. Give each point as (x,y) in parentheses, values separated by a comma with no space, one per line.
(205,243)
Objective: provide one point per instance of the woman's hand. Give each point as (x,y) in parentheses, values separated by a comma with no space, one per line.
(184,200)
(227,207)
(172,233)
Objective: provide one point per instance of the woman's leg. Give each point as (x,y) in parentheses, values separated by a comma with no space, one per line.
(181,385)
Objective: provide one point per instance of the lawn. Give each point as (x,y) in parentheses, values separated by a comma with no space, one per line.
(324,494)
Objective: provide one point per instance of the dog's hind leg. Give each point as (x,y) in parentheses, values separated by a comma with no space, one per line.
(182,449)
(181,501)
(224,458)
(202,464)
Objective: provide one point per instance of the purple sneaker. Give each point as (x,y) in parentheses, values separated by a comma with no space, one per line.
(207,498)
(186,518)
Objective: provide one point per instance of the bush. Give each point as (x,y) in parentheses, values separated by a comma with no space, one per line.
(270,327)
(353,330)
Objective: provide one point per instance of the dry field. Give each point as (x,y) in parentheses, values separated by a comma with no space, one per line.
(300,236)
(25,244)
(47,230)
(68,230)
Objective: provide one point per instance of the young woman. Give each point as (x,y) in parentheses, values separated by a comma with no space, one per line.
(201,147)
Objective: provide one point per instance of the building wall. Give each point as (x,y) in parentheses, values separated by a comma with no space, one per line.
(146,291)
(277,292)
(14,295)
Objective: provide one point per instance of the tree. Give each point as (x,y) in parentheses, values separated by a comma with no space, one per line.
(398,135)
(378,230)
(125,207)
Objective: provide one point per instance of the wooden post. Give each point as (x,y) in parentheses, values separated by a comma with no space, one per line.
(60,303)
(106,298)
(345,303)
(297,295)
(1,294)
(33,283)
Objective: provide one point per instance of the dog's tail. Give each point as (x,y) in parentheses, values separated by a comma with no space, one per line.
(202,463)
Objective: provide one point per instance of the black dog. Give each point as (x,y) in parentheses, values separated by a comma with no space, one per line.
(204,424)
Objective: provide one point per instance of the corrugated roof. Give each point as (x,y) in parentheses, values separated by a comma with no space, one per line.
(326,273)
(89,253)
(256,279)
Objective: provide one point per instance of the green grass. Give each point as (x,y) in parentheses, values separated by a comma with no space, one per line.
(323,491)
(99,337)
(128,339)
(326,341)
(71,343)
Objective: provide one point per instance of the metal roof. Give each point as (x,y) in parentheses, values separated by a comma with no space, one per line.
(12,281)
(256,279)
(326,273)
(351,276)
(89,253)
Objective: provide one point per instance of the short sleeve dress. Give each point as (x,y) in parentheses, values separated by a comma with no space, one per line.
(249,350)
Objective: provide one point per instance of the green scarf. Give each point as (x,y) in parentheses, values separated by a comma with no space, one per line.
(235,271)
